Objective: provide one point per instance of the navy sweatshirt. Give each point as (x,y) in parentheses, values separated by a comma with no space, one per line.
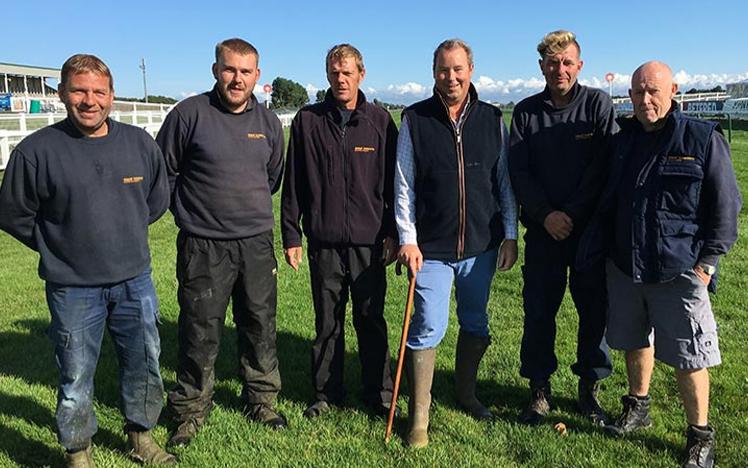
(85,203)
(557,158)
(223,167)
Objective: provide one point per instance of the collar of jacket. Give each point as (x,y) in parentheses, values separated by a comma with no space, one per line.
(472,92)
(548,100)
(331,105)
(633,124)
(215,100)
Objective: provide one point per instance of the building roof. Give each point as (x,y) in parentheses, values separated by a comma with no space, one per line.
(28,70)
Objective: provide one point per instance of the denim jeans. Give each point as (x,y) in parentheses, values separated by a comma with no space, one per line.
(472,277)
(129,310)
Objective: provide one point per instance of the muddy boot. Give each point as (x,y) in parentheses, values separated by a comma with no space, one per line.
(80,459)
(540,403)
(420,372)
(143,449)
(470,350)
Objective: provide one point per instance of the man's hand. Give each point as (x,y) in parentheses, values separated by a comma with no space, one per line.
(389,250)
(703,276)
(293,256)
(558,224)
(507,255)
(410,256)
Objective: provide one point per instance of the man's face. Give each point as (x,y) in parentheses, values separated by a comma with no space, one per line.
(236,76)
(652,90)
(452,73)
(345,78)
(561,70)
(88,100)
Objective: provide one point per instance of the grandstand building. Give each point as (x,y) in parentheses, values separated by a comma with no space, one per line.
(20,84)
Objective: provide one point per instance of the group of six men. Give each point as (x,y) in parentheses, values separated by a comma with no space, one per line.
(636,216)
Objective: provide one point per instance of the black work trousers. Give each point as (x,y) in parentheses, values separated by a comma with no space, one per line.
(545,274)
(210,272)
(335,271)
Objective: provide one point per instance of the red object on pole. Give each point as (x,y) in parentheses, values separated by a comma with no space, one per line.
(401,358)
(267,88)
(609,77)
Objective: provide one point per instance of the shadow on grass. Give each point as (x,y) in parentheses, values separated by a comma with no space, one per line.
(28,339)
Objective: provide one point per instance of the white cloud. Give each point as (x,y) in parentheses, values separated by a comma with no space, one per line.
(515,89)
(186,94)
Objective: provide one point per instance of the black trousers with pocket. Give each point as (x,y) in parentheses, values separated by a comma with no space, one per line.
(210,272)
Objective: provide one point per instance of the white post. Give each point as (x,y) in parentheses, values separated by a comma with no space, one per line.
(150,117)
(4,149)
(22,122)
(7,89)
(50,118)
(44,91)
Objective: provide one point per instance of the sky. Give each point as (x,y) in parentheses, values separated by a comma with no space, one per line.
(703,42)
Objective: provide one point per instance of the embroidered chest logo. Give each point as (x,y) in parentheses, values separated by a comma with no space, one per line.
(681,158)
(256,136)
(583,136)
(363,149)
(132,180)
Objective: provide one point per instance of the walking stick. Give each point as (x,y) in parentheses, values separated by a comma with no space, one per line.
(401,358)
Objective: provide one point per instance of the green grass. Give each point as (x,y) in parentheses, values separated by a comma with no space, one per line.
(349,437)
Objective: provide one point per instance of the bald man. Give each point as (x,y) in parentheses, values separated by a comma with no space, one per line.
(670,209)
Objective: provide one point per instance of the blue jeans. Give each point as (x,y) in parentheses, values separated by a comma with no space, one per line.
(79,315)
(472,278)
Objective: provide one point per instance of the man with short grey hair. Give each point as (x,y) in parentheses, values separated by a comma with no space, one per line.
(668,214)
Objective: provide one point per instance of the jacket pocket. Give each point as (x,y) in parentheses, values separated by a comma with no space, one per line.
(681,187)
(677,243)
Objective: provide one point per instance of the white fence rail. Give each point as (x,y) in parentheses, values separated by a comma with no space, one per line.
(16,127)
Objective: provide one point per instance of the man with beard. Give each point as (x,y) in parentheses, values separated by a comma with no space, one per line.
(224,157)
(557,165)
(82,193)
(338,184)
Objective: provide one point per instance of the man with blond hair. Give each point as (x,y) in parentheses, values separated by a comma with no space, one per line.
(82,193)
(224,157)
(557,165)
(669,212)
(338,184)
(457,222)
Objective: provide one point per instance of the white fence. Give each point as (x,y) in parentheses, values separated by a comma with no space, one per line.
(16,127)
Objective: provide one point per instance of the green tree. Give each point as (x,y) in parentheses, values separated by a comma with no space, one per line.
(321,95)
(288,94)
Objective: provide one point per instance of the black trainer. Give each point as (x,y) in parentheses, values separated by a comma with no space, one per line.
(540,403)
(635,416)
(588,403)
(700,448)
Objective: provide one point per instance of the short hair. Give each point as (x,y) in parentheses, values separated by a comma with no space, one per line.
(236,45)
(450,44)
(341,51)
(82,63)
(556,41)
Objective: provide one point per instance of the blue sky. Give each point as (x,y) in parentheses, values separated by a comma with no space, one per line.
(704,43)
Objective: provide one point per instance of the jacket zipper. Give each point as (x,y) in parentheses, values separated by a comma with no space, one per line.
(346,226)
(462,196)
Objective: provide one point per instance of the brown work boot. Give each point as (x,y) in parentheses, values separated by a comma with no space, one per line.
(143,449)
(420,372)
(540,403)
(267,415)
(470,350)
(184,433)
(80,459)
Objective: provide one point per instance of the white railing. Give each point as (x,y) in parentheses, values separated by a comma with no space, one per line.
(16,127)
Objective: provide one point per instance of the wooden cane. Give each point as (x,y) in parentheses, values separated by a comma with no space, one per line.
(401,358)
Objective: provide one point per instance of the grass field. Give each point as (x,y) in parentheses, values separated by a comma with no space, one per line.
(349,437)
